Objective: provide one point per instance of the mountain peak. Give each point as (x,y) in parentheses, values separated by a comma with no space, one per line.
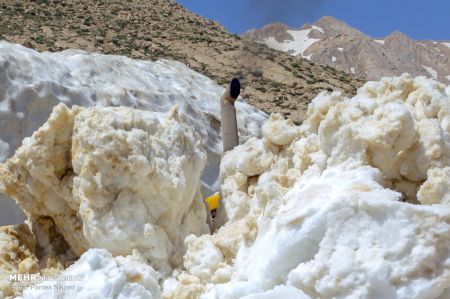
(332,42)
(397,35)
(336,27)
(328,19)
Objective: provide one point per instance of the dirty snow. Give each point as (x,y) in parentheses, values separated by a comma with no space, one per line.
(333,210)
(32,83)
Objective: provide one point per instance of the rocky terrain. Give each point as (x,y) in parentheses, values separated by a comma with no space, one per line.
(333,43)
(154,29)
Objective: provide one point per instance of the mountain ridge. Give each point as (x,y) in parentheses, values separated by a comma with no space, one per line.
(332,42)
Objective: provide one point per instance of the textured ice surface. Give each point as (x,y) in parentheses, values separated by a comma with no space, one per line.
(32,83)
(327,207)
(97,274)
(114,178)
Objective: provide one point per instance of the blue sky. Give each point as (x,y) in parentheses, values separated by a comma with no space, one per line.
(419,19)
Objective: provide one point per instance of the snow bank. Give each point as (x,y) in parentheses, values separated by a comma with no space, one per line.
(331,207)
(32,83)
(114,178)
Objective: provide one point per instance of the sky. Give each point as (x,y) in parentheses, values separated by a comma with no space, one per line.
(419,19)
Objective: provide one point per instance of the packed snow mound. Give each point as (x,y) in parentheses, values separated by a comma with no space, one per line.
(97,274)
(332,207)
(32,83)
(114,178)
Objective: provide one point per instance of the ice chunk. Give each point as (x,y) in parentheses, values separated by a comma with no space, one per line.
(114,178)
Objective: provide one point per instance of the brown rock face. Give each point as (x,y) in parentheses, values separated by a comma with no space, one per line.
(342,47)
(277,30)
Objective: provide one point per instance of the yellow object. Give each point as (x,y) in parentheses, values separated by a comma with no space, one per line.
(213,201)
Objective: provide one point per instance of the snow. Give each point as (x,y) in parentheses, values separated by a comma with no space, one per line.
(352,70)
(379,41)
(448,77)
(318,28)
(333,59)
(446,44)
(300,43)
(32,83)
(354,203)
(340,49)
(129,178)
(97,274)
(329,211)
(431,71)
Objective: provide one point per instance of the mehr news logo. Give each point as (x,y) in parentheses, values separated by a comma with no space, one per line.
(42,278)
(40,282)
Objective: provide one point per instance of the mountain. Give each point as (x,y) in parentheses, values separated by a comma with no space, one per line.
(154,29)
(332,42)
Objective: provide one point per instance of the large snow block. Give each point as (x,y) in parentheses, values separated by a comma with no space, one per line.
(113,178)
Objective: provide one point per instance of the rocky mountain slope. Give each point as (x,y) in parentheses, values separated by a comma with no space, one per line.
(334,43)
(154,29)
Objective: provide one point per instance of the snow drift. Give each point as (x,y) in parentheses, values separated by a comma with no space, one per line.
(32,83)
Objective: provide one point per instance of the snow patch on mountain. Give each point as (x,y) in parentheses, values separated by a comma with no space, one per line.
(432,71)
(318,28)
(301,41)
